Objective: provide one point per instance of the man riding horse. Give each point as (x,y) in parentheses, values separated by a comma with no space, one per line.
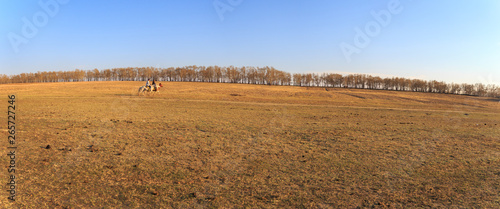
(153,84)
(150,87)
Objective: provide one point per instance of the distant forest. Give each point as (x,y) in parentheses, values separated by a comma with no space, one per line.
(254,75)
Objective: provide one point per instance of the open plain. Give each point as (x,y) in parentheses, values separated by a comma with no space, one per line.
(99,145)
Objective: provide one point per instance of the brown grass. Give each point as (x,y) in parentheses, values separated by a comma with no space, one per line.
(235,145)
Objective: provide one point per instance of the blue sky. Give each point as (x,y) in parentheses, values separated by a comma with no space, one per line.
(447,40)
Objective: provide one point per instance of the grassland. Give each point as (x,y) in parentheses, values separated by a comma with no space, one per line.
(233,145)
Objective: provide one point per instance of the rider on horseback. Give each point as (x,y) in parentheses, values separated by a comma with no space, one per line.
(150,88)
(148,85)
(154,85)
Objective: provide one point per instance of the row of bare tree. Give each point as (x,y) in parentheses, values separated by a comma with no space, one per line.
(254,75)
(362,81)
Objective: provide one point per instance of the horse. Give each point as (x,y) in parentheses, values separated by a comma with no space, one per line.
(154,89)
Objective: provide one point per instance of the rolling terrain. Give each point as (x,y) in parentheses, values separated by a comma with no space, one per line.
(98,144)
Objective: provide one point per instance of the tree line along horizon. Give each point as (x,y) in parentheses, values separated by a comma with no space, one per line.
(254,75)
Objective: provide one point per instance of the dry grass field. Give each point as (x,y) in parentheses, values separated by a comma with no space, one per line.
(206,145)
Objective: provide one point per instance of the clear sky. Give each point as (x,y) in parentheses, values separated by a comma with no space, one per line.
(446,40)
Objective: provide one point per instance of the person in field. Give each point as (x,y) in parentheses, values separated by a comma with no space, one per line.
(148,85)
(154,85)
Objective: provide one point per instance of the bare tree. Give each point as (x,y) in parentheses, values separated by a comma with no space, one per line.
(253,75)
